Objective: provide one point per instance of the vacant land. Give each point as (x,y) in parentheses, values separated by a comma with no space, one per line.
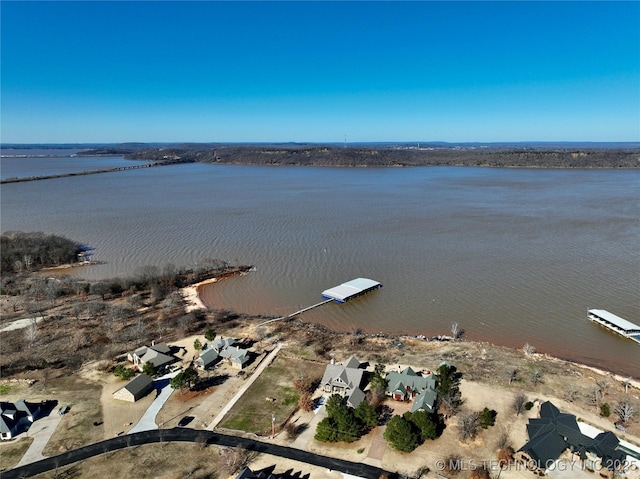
(272,394)
(12,451)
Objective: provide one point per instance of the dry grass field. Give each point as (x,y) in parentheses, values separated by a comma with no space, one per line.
(272,393)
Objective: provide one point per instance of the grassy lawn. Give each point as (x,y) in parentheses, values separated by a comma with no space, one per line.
(76,428)
(252,413)
(12,452)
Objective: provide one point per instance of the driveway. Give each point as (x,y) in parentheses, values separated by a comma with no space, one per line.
(163,390)
(41,431)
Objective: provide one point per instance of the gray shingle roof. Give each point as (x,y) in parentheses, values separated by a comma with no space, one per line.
(138,384)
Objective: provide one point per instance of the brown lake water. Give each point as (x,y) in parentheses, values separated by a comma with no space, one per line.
(512,255)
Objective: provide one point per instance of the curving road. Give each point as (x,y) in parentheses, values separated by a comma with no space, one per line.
(192,435)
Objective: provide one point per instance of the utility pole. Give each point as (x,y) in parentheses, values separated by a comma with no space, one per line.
(273,425)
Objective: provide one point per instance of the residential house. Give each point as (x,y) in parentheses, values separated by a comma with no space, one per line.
(220,343)
(409,384)
(268,473)
(135,389)
(207,359)
(15,417)
(236,356)
(345,380)
(555,432)
(157,354)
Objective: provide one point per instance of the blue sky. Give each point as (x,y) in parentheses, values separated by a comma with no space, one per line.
(317,71)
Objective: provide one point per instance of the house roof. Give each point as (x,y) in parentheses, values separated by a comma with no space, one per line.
(208,357)
(355,398)
(138,384)
(398,381)
(554,431)
(234,353)
(424,401)
(30,409)
(156,358)
(161,348)
(221,343)
(343,376)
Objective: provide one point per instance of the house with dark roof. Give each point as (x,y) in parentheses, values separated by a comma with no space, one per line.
(15,417)
(268,473)
(409,384)
(346,380)
(554,432)
(135,389)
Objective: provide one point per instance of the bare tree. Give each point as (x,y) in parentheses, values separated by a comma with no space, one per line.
(519,400)
(528,349)
(626,383)
(603,385)
(469,424)
(625,410)
(536,377)
(570,394)
(503,440)
(455,330)
(513,375)
(31,333)
(593,397)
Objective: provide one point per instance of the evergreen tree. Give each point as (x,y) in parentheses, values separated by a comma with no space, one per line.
(327,430)
(401,435)
(367,414)
(428,424)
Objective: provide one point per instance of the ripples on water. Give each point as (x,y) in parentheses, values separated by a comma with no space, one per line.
(512,255)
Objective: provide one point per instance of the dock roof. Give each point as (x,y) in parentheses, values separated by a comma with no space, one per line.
(351,288)
(616,320)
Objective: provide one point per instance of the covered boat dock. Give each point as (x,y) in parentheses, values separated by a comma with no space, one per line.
(615,323)
(350,289)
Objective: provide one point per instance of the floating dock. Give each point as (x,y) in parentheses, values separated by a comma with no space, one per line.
(615,323)
(351,289)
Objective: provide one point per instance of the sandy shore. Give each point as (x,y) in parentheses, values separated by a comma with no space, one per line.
(191,295)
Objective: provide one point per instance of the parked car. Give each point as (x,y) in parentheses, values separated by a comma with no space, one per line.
(185,420)
(63,410)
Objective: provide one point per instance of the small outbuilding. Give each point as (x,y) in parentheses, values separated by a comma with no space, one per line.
(135,389)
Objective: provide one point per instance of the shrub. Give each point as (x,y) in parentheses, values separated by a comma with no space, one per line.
(528,405)
(605,410)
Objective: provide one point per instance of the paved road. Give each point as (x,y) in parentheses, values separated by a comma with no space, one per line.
(192,435)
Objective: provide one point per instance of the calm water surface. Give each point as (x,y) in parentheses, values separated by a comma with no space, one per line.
(512,255)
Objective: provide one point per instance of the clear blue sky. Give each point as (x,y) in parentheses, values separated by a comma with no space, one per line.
(315,71)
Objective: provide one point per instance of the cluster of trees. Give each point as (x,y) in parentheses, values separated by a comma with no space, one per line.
(344,423)
(32,251)
(428,155)
(408,431)
(186,379)
(123,372)
(470,423)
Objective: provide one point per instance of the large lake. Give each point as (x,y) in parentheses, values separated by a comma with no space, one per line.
(512,255)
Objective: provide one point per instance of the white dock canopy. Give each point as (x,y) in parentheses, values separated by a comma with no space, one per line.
(350,289)
(621,324)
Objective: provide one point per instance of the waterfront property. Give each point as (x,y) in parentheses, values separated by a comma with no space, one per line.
(615,323)
(156,354)
(345,380)
(554,432)
(409,384)
(351,289)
